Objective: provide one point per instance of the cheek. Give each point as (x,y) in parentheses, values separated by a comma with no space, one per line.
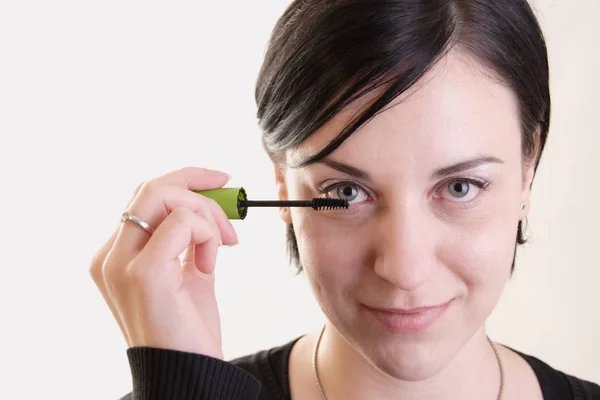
(480,252)
(480,243)
(334,255)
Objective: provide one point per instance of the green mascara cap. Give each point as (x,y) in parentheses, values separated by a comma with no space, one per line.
(229,199)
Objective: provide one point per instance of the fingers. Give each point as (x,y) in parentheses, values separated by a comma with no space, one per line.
(178,231)
(97,272)
(182,219)
(198,258)
(155,202)
(192,178)
(205,256)
(225,226)
(195,178)
(99,259)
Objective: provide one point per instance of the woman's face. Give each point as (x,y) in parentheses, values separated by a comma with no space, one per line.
(435,184)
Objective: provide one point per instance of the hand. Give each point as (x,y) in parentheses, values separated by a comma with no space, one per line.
(158,300)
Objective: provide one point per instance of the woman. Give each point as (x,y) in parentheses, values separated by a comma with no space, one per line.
(429,118)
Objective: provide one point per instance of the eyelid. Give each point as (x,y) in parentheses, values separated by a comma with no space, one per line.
(326,187)
(481,185)
(479,182)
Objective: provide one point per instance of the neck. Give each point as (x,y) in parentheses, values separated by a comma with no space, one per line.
(473,373)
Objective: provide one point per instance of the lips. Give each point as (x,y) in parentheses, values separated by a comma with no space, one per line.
(408,311)
(413,320)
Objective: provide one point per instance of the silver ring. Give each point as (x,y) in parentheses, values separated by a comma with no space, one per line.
(126,217)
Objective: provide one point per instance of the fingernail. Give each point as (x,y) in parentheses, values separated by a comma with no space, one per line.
(220,243)
(235,243)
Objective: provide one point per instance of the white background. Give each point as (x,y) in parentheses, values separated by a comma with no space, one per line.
(96,97)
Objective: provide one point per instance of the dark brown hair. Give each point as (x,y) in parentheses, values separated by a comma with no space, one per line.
(324,54)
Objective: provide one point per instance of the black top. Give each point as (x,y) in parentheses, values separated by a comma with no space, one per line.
(168,374)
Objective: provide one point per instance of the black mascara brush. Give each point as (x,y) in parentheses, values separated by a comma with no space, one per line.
(235,203)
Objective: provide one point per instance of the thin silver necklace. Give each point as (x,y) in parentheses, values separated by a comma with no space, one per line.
(323,397)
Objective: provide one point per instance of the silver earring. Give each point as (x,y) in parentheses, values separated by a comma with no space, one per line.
(522,206)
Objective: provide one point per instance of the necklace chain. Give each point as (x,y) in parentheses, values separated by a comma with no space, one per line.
(320,387)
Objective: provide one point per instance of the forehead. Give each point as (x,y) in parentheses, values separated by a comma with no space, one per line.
(456,110)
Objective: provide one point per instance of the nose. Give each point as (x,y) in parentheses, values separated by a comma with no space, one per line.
(406,248)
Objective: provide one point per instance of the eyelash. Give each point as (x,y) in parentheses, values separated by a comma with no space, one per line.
(329,188)
(479,183)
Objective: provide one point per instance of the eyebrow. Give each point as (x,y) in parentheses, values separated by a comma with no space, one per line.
(437,174)
(346,169)
(464,165)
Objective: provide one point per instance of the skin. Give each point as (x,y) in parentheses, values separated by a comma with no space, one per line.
(414,238)
(407,241)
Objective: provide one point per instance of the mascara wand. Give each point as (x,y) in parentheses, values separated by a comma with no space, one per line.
(235,203)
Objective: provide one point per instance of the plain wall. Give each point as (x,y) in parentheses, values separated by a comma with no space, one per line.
(96,97)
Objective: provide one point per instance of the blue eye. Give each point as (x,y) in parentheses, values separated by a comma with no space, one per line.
(348,191)
(463,190)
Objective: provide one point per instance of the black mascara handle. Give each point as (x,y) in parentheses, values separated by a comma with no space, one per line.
(276,203)
(318,203)
(235,203)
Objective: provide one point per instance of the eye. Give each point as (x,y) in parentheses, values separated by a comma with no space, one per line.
(351,192)
(463,190)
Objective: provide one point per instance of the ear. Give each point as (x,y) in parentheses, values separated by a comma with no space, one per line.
(282,192)
(529,173)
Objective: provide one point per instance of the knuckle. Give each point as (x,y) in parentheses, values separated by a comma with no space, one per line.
(217,208)
(96,266)
(206,214)
(138,188)
(194,220)
(95,270)
(136,274)
(112,270)
(149,188)
(109,273)
(213,203)
(215,213)
(181,215)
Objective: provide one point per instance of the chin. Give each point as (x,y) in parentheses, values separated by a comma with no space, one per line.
(405,356)
(408,361)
